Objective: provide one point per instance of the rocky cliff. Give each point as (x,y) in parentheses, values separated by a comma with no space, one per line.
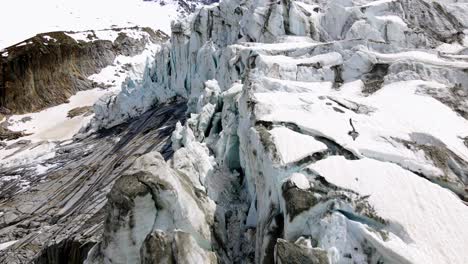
(47,69)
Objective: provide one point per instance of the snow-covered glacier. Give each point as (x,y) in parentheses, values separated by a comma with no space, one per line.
(317,132)
(314,132)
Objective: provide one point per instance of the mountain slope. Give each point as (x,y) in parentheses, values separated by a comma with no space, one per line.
(59,15)
(46,70)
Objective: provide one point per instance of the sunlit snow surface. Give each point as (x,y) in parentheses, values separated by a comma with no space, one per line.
(402,197)
(7,244)
(31,17)
(399,111)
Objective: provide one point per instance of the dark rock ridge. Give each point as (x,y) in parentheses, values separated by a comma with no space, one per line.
(62,215)
(47,69)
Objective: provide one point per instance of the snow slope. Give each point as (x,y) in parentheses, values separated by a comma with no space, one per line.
(32,17)
(418,202)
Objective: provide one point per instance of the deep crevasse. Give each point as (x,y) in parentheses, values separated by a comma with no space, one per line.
(319,131)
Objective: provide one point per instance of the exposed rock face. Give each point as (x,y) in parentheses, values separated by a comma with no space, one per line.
(6,134)
(287,252)
(47,69)
(62,215)
(85,110)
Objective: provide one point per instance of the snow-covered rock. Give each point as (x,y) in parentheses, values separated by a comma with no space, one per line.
(151,197)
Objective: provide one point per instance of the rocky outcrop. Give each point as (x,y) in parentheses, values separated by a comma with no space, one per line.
(47,69)
(61,214)
(287,252)
(150,194)
(6,134)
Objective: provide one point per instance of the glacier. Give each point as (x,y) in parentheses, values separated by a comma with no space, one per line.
(314,132)
(340,124)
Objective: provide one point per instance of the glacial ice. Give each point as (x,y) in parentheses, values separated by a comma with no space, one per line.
(273,91)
